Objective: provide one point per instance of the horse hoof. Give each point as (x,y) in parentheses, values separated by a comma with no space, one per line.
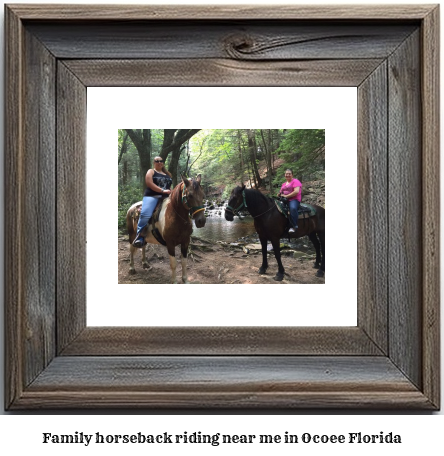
(262,270)
(132,271)
(316,266)
(320,273)
(279,277)
(146,266)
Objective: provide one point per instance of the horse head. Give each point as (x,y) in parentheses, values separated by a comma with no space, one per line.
(235,203)
(192,197)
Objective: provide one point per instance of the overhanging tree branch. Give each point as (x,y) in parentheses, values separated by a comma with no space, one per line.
(180,136)
(135,137)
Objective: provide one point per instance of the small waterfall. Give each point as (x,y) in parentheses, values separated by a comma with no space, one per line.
(215,208)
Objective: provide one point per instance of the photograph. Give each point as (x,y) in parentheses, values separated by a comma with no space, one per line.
(242,206)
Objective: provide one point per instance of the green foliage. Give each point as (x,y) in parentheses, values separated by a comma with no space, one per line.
(303,152)
(220,161)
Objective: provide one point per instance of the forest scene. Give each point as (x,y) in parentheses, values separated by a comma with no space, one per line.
(222,251)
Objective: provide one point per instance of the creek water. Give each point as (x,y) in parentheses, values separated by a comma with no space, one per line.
(218,229)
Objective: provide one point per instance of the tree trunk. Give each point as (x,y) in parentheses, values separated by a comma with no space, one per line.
(241,156)
(125,173)
(124,147)
(249,175)
(251,147)
(173,162)
(168,136)
(267,151)
(172,142)
(188,160)
(270,157)
(142,140)
(145,156)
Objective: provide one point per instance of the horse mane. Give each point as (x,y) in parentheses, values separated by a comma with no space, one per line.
(176,193)
(256,198)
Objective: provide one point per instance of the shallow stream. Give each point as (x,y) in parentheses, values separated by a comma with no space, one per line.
(240,230)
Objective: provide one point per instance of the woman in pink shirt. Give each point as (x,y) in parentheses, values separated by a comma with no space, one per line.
(292,190)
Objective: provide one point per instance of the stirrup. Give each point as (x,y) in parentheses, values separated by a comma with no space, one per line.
(139,242)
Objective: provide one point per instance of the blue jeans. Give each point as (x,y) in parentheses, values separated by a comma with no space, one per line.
(294,206)
(148,205)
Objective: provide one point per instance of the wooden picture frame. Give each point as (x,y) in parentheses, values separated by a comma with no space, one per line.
(390,360)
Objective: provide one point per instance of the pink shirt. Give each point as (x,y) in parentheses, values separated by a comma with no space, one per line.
(289,187)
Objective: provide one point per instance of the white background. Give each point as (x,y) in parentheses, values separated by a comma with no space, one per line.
(23,433)
(329,304)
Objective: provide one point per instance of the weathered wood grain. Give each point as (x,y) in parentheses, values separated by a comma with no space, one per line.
(220,12)
(38,223)
(218,72)
(30,207)
(405,209)
(431,204)
(14,192)
(71,206)
(372,207)
(260,401)
(209,373)
(234,382)
(236,41)
(106,341)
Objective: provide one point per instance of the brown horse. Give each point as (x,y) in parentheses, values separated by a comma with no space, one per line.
(271,225)
(171,223)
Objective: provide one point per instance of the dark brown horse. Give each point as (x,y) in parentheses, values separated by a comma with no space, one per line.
(171,223)
(271,225)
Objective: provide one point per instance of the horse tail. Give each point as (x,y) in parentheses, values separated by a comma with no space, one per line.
(131,222)
(320,211)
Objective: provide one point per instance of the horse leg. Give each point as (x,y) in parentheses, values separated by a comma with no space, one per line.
(321,270)
(173,263)
(184,251)
(132,250)
(144,260)
(263,268)
(277,253)
(314,239)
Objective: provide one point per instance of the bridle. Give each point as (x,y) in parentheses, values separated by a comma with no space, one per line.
(193,210)
(243,204)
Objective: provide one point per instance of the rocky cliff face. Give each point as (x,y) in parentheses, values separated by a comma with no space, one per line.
(313,192)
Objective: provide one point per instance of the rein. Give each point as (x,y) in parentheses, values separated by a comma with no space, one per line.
(268,210)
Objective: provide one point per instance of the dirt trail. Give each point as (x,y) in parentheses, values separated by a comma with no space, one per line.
(216,263)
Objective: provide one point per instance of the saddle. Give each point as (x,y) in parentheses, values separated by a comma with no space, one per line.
(304,211)
(154,218)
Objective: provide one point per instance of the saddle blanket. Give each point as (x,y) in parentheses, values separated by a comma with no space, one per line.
(305,210)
